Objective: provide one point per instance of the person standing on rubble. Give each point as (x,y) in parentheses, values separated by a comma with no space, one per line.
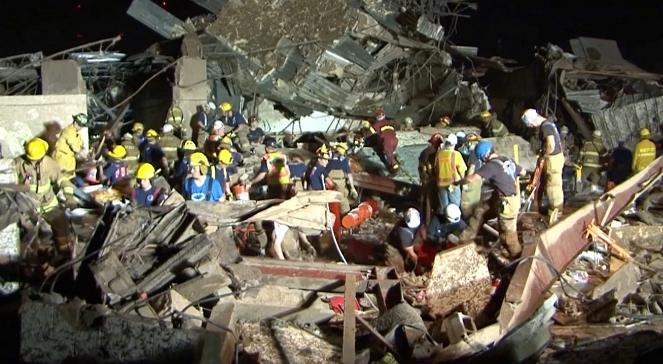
(553,159)
(200,123)
(131,159)
(501,173)
(645,151)
(181,167)
(274,169)
(449,169)
(404,235)
(427,176)
(316,177)
(471,192)
(137,130)
(592,157)
(237,158)
(117,168)
(169,143)
(145,194)
(69,146)
(256,134)
(153,154)
(199,185)
(339,171)
(620,164)
(492,128)
(240,129)
(387,141)
(214,138)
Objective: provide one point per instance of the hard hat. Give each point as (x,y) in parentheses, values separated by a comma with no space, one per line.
(188,145)
(485,114)
(597,134)
(137,127)
(36,149)
(564,129)
(127,137)
(531,118)
(225,156)
(269,142)
(175,116)
(379,112)
(227,140)
(218,125)
(226,106)
(460,135)
(167,128)
(412,218)
(118,152)
(199,159)
(365,124)
(408,121)
(452,211)
(145,171)
(436,139)
(445,120)
(341,148)
(322,152)
(451,140)
(81,119)
(152,134)
(483,149)
(473,137)
(644,133)
(211,105)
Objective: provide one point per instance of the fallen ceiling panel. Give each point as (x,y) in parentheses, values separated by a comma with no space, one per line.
(624,123)
(157,19)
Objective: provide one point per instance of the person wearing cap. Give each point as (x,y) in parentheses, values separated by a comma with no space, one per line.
(117,168)
(131,159)
(492,128)
(404,235)
(169,143)
(317,178)
(449,170)
(274,169)
(645,151)
(200,123)
(43,176)
(153,154)
(501,173)
(426,175)
(69,146)
(256,134)
(552,152)
(446,228)
(137,131)
(621,160)
(145,193)
(200,185)
(386,143)
(339,171)
(592,157)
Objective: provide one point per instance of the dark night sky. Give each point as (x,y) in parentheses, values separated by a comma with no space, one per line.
(505,28)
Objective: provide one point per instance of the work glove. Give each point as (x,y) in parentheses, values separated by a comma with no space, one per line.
(70,202)
(353,194)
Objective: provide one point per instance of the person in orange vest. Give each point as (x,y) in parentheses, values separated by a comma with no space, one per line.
(645,151)
(274,169)
(387,141)
(449,170)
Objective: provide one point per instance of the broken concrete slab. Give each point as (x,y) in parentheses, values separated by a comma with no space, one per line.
(62,77)
(460,280)
(623,282)
(400,314)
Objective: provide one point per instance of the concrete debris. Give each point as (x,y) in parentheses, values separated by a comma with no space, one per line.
(623,282)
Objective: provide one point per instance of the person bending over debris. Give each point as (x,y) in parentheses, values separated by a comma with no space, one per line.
(273,168)
(501,173)
(471,192)
(145,194)
(426,176)
(645,151)
(69,146)
(450,168)
(446,228)
(298,172)
(153,154)
(554,160)
(592,156)
(492,128)
(339,171)
(200,186)
(386,143)
(256,134)
(117,168)
(403,235)
(316,177)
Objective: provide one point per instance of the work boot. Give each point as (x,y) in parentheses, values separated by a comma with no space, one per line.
(554,216)
(512,244)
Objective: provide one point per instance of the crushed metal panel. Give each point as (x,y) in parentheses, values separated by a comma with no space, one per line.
(625,122)
(352,51)
(156,18)
(213,6)
(430,29)
(319,90)
(589,101)
(598,50)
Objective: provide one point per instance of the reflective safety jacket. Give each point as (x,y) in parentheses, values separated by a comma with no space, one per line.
(592,153)
(132,155)
(68,145)
(43,177)
(169,144)
(645,153)
(496,129)
(278,172)
(450,167)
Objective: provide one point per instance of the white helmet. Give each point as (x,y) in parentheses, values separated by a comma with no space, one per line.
(412,218)
(452,140)
(211,105)
(167,128)
(127,136)
(564,129)
(531,118)
(452,211)
(460,135)
(597,134)
(218,125)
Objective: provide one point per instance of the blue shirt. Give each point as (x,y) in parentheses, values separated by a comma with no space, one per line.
(297,170)
(339,162)
(255,135)
(182,167)
(235,120)
(148,198)
(210,190)
(115,172)
(221,174)
(152,154)
(316,177)
(440,228)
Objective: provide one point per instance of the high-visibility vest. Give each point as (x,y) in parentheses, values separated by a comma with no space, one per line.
(447,170)
(277,168)
(591,154)
(645,153)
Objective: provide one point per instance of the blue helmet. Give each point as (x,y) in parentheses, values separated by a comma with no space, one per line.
(483,149)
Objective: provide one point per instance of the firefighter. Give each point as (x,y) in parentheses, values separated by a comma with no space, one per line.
(449,169)
(471,192)
(274,169)
(117,168)
(500,172)
(492,128)
(645,151)
(552,152)
(137,130)
(339,171)
(232,118)
(222,171)
(169,143)
(386,142)
(44,177)
(201,185)
(181,167)
(316,177)
(426,175)
(200,123)
(153,154)
(592,155)
(146,194)
(69,146)
(132,151)
(444,122)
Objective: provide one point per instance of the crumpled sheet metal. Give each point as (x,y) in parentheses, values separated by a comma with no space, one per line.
(625,122)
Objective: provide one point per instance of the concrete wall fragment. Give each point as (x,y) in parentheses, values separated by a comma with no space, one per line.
(191,87)
(62,77)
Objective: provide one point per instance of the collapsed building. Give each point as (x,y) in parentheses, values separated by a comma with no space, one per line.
(182,282)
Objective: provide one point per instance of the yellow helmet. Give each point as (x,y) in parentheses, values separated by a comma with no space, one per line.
(145,171)
(645,133)
(138,127)
(152,134)
(199,159)
(485,114)
(188,145)
(322,152)
(36,149)
(341,148)
(445,120)
(225,156)
(118,152)
(227,140)
(226,106)
(365,124)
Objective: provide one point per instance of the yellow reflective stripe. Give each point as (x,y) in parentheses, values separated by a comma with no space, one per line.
(591,165)
(131,158)
(386,127)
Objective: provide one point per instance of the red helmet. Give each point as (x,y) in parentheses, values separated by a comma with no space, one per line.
(379,112)
(436,139)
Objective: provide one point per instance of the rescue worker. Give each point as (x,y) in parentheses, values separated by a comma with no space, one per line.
(492,128)
(222,173)
(592,156)
(290,243)
(274,169)
(298,172)
(446,228)
(471,192)
(153,154)
(117,168)
(339,171)
(200,185)
(181,167)
(449,169)
(501,173)
(132,151)
(169,143)
(316,177)
(231,118)
(553,158)
(443,122)
(427,177)
(645,151)
(44,178)
(256,134)
(237,158)
(387,141)
(200,123)
(621,161)
(146,194)
(404,235)
(69,146)
(137,130)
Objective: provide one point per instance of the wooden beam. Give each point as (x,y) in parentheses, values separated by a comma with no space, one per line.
(349,327)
